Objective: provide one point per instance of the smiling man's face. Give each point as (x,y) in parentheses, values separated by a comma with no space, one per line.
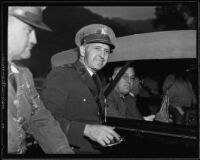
(95,55)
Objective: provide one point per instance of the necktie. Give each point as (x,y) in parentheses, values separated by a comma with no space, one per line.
(101,114)
(94,77)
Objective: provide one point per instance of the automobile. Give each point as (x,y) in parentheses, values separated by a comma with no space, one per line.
(165,51)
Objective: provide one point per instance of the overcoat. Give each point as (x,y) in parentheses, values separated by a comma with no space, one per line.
(72,96)
(27,114)
(122,107)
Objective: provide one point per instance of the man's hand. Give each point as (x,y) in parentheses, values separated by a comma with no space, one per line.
(149,118)
(101,134)
(65,150)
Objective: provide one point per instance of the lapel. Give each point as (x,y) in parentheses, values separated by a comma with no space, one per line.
(89,82)
(86,78)
(121,106)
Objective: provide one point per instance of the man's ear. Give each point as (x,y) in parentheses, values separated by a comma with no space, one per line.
(82,51)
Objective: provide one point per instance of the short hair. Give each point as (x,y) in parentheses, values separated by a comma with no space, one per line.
(118,68)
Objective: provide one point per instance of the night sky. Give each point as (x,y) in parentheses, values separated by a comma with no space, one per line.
(65,22)
(125,12)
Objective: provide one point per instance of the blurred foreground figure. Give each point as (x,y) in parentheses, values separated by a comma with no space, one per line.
(26,112)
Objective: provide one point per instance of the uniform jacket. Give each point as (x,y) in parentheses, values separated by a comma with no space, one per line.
(27,114)
(122,107)
(71,95)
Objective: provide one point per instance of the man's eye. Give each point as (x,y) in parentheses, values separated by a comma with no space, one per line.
(107,51)
(29,30)
(133,78)
(125,77)
(97,48)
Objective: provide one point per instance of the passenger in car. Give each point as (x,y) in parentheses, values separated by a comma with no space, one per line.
(149,97)
(121,101)
(181,96)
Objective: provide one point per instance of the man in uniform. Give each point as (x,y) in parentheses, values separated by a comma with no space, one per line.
(26,112)
(74,97)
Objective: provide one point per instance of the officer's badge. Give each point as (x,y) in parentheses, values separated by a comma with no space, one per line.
(102,31)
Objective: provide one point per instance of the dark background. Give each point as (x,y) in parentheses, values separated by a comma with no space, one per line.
(65,21)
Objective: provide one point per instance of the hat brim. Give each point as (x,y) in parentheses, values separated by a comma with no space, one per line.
(37,24)
(101,41)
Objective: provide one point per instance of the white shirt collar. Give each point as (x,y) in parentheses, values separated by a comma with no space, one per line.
(88,69)
(13,68)
(122,96)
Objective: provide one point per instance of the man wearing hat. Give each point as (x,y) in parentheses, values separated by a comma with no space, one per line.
(26,112)
(75,98)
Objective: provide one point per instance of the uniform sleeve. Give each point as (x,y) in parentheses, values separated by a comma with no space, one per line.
(15,132)
(12,125)
(12,134)
(45,129)
(54,95)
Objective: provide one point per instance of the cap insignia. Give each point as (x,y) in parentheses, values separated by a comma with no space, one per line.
(102,31)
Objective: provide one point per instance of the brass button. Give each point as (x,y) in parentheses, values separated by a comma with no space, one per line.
(84,100)
(21,120)
(16,102)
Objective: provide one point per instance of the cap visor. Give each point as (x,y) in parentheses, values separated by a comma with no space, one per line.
(38,24)
(102,41)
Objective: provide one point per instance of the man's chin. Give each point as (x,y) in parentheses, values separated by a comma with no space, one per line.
(97,68)
(126,91)
(26,55)
(100,66)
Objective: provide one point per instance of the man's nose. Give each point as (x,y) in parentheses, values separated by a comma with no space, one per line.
(33,38)
(129,80)
(102,54)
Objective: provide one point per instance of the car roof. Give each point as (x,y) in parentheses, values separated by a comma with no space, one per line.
(156,45)
(145,46)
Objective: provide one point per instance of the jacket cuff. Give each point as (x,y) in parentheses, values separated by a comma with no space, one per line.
(64,150)
(75,133)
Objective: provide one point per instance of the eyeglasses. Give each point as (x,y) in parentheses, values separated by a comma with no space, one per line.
(127,78)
